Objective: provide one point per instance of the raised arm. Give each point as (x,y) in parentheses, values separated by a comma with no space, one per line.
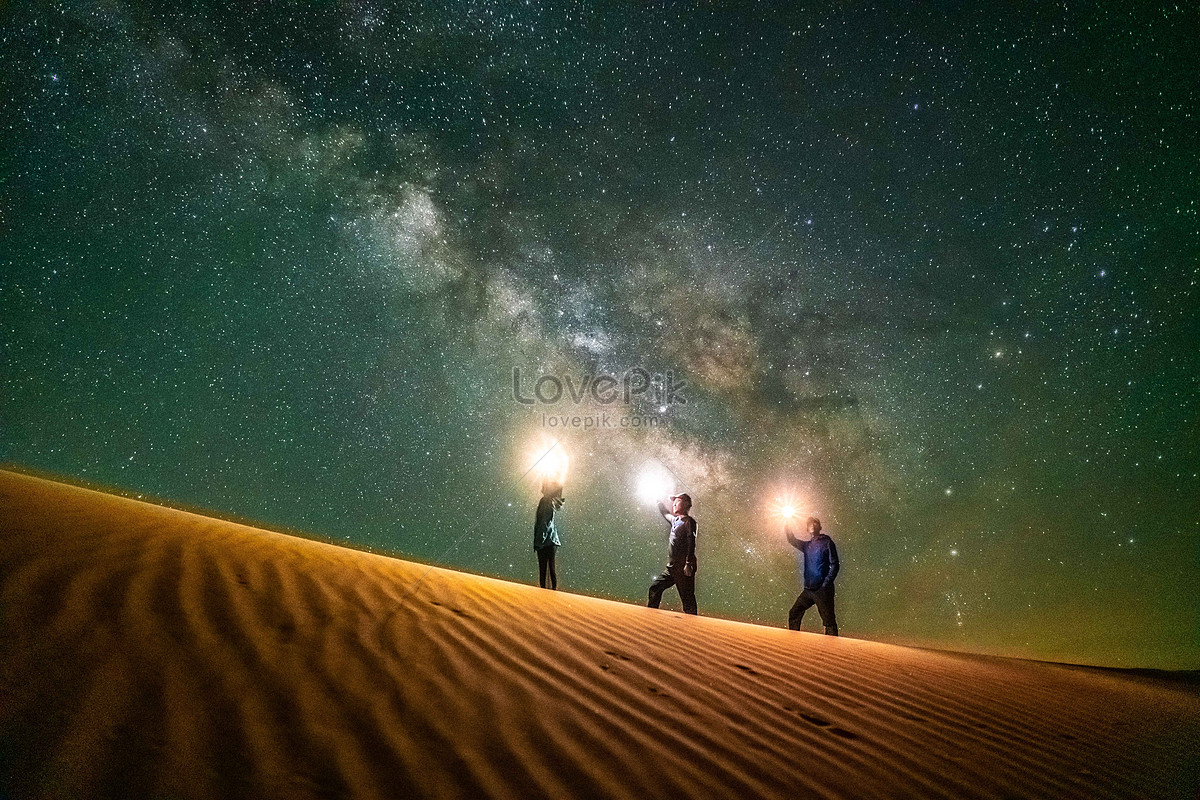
(791,537)
(662,509)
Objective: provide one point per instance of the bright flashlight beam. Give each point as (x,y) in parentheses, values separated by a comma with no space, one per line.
(654,484)
(550,462)
(786,508)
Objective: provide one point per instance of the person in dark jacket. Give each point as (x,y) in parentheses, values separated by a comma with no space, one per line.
(681,555)
(545,535)
(820,568)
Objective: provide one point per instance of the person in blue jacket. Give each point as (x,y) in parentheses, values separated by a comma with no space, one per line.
(820,568)
(545,535)
(681,555)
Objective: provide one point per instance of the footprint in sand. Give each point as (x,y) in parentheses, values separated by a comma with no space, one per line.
(836,731)
(744,668)
(617,655)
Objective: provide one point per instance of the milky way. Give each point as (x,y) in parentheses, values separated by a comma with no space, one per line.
(931,271)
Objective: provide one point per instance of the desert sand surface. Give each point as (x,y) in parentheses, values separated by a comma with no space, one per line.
(151,652)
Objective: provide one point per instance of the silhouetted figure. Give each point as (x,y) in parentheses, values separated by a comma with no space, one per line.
(681,555)
(820,568)
(545,535)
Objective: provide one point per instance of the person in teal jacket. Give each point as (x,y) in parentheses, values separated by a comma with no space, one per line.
(545,535)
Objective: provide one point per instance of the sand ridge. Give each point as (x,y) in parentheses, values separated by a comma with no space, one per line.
(151,652)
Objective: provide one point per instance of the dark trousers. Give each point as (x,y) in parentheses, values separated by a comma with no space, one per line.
(823,600)
(546,564)
(685,584)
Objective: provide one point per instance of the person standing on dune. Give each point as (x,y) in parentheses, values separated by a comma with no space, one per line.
(545,535)
(821,566)
(681,555)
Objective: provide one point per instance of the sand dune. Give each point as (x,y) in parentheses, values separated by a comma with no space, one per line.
(150,652)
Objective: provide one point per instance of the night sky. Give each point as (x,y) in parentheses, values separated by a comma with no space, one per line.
(932,271)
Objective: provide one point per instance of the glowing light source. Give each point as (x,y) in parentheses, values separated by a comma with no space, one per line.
(787,507)
(654,483)
(549,461)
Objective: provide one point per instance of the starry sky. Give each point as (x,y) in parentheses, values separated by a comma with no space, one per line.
(931,272)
